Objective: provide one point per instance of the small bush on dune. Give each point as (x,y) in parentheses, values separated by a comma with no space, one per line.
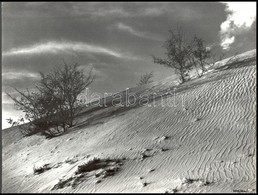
(53,103)
(200,55)
(145,79)
(183,54)
(177,54)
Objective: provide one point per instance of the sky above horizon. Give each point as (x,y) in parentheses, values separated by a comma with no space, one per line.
(116,39)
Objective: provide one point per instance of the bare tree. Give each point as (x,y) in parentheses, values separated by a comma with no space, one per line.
(145,79)
(201,53)
(65,85)
(178,50)
(54,102)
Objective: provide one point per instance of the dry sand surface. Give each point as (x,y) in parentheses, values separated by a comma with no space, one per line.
(206,144)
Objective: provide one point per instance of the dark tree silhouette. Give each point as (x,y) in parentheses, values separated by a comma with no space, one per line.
(54,103)
(201,53)
(178,49)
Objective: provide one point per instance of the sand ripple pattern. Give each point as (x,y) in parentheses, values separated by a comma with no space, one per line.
(211,137)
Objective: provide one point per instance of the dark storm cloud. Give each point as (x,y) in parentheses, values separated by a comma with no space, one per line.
(89,21)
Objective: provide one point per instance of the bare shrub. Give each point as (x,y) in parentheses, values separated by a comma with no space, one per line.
(178,49)
(145,79)
(54,102)
(201,54)
(183,54)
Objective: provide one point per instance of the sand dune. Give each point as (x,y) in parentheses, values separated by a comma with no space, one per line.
(204,142)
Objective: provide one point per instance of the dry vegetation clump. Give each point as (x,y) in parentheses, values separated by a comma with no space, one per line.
(63,183)
(203,182)
(189,180)
(71,161)
(42,169)
(96,164)
(110,171)
(90,166)
(98,168)
(144,184)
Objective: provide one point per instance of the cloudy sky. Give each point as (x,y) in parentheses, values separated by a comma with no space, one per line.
(116,39)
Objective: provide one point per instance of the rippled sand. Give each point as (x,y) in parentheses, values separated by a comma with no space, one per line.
(204,142)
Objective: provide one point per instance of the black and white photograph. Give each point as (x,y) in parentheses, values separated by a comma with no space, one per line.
(128,97)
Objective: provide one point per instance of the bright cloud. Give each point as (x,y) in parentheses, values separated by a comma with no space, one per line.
(57,47)
(137,33)
(18,75)
(241,16)
(129,29)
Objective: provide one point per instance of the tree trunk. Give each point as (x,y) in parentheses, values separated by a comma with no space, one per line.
(71,117)
(203,68)
(182,76)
